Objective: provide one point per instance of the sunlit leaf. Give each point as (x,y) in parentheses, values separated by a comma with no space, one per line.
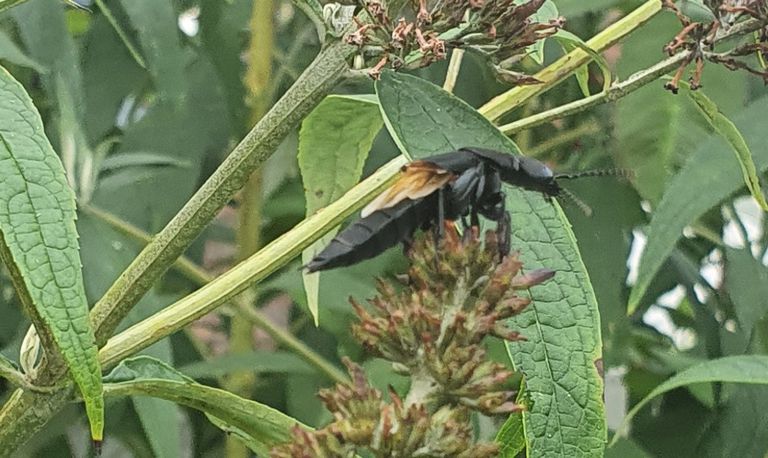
(334,142)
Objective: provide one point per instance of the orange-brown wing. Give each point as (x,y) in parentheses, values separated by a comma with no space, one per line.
(419,179)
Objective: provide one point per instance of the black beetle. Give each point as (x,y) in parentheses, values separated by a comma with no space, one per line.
(447,186)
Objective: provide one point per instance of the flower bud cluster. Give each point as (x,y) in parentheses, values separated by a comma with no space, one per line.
(456,294)
(421,32)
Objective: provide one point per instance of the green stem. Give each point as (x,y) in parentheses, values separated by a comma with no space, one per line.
(7,4)
(453,70)
(121,33)
(315,83)
(569,63)
(613,93)
(621,89)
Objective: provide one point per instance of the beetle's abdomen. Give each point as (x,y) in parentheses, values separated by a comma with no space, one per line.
(370,236)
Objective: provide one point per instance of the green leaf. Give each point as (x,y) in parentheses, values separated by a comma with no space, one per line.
(751,369)
(731,134)
(155,23)
(562,324)
(160,418)
(40,248)
(705,180)
(570,42)
(42,26)
(511,435)
(257,361)
(747,281)
(261,426)
(654,143)
(333,144)
(11,52)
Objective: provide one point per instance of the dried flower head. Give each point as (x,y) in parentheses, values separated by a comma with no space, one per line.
(456,293)
(701,25)
(424,31)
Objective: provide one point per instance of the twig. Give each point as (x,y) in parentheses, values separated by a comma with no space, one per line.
(453,70)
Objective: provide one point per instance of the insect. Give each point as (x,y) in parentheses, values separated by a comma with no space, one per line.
(449,186)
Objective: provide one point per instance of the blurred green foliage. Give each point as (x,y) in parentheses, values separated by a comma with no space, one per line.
(149,130)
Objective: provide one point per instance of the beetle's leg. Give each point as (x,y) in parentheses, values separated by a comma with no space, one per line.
(440,226)
(503,227)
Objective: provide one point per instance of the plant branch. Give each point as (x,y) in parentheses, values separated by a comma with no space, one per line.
(269,259)
(453,70)
(613,93)
(621,89)
(315,83)
(569,63)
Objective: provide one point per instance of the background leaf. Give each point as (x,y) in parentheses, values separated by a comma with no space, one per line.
(334,142)
(708,177)
(263,426)
(752,369)
(731,134)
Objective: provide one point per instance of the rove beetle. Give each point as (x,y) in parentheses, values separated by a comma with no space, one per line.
(447,186)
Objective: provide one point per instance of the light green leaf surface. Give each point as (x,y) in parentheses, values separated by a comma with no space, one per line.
(155,23)
(731,134)
(261,426)
(334,142)
(562,325)
(751,369)
(709,176)
(40,248)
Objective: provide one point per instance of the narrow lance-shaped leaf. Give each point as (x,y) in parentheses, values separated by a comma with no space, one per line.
(260,426)
(155,24)
(752,369)
(731,134)
(560,359)
(709,176)
(333,144)
(39,243)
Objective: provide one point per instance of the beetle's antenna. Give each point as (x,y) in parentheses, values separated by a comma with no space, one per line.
(623,173)
(586,209)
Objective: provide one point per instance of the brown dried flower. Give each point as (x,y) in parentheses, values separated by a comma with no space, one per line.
(700,32)
(497,29)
